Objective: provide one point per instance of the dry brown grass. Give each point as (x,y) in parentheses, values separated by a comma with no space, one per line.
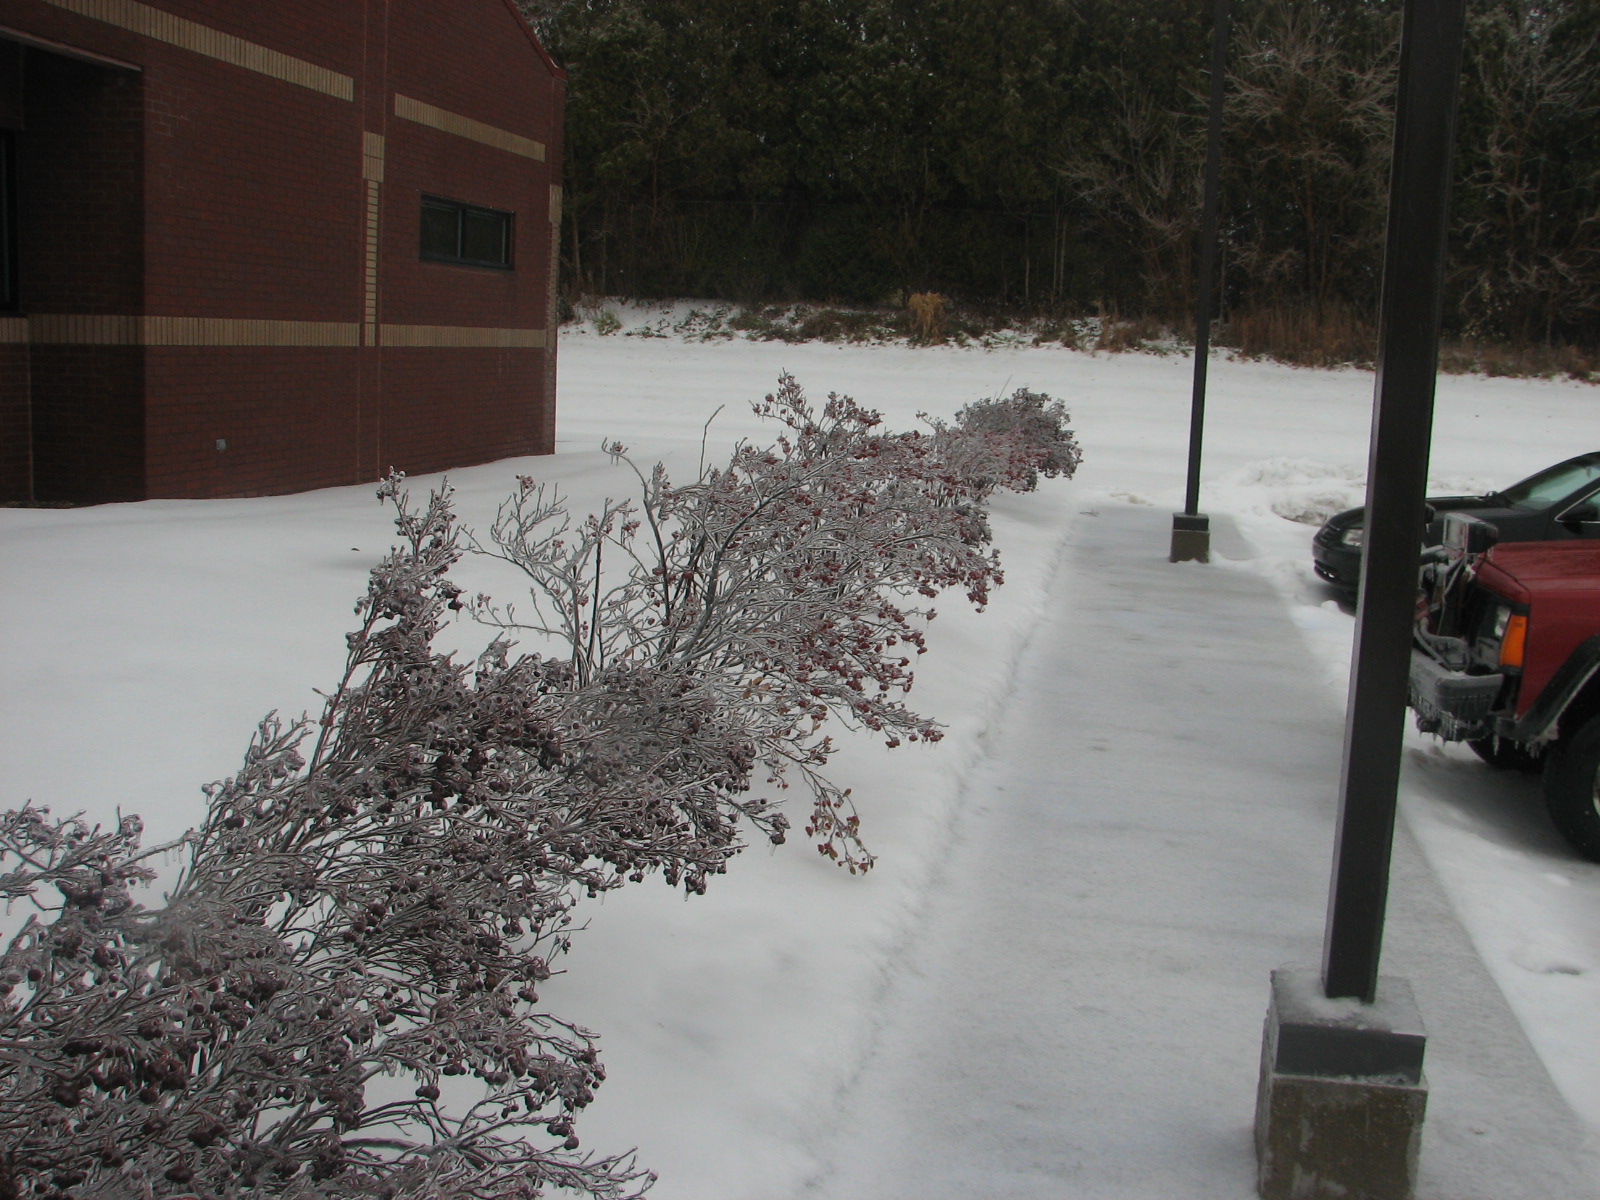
(1307,337)
(1119,334)
(1338,337)
(927,316)
(1301,336)
(1519,362)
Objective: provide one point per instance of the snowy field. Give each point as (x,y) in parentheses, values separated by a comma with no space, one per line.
(146,640)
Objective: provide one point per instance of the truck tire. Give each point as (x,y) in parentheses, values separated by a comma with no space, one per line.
(1506,755)
(1572,789)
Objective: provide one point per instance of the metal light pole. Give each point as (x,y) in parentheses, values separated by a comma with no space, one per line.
(1191,529)
(1341,1100)
(1397,478)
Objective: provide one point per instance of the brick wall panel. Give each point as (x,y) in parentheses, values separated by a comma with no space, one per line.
(473,58)
(283,412)
(16,480)
(447,408)
(319,31)
(425,161)
(253,197)
(254,207)
(88,424)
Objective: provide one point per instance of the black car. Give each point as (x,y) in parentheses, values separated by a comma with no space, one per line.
(1562,501)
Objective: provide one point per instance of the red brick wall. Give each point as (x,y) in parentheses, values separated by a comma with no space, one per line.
(254,208)
(88,423)
(415,292)
(557,89)
(284,414)
(473,57)
(254,194)
(16,450)
(443,408)
(255,203)
(326,32)
(448,408)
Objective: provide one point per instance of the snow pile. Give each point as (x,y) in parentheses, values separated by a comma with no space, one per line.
(1302,490)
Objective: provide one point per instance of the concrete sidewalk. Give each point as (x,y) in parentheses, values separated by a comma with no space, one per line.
(1177,865)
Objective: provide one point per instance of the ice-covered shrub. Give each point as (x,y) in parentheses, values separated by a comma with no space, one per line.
(788,584)
(1009,442)
(360,929)
(339,997)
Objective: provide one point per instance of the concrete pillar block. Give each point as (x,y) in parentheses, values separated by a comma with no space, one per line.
(1191,538)
(1341,1099)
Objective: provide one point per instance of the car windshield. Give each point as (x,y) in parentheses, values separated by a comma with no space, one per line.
(1552,484)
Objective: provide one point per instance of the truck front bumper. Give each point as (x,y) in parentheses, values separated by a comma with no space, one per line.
(1452,704)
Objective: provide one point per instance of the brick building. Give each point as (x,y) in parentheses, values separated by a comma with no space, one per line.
(260,247)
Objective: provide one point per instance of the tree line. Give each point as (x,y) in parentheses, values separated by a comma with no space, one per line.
(1046,155)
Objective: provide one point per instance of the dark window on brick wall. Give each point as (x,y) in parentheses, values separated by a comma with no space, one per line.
(465,233)
(8,222)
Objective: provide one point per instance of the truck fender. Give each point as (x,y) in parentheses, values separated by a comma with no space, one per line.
(1567,685)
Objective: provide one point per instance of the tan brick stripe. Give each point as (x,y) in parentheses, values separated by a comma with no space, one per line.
(372,157)
(213,43)
(114,330)
(75,330)
(372,172)
(83,330)
(477,131)
(454,336)
(369,322)
(552,300)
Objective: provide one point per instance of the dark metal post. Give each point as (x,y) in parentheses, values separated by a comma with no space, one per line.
(1191,529)
(1397,470)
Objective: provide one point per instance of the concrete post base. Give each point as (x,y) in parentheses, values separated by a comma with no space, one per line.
(1191,538)
(1341,1100)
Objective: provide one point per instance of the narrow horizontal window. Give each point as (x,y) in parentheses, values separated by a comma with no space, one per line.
(465,233)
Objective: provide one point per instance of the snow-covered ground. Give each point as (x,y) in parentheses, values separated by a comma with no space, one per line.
(746,1031)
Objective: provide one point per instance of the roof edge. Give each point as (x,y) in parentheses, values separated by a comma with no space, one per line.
(527,28)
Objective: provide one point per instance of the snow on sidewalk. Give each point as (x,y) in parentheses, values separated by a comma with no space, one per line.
(1079,1014)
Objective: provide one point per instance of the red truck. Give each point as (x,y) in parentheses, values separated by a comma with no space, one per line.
(1507,659)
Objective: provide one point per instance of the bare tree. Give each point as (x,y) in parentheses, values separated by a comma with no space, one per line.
(1310,124)
(1529,219)
(1142,171)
